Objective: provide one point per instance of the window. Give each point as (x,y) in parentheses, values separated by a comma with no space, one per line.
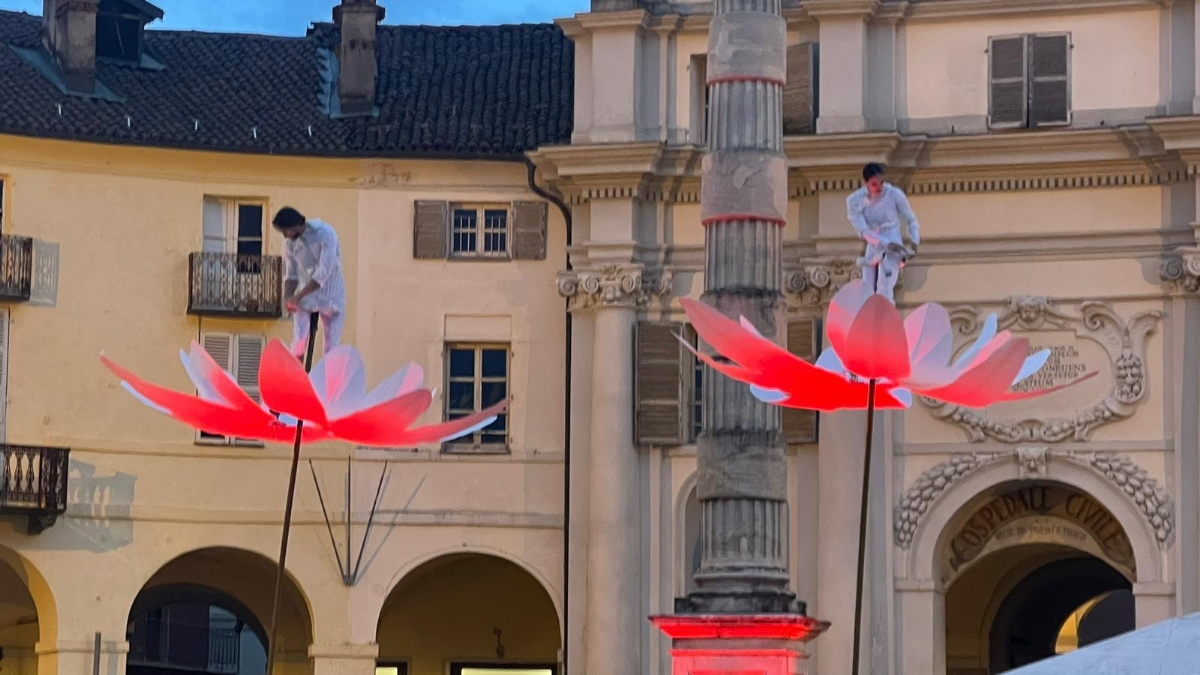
(3,201)
(477,377)
(479,231)
(391,668)
(700,99)
(1029,81)
(236,227)
(239,355)
(697,388)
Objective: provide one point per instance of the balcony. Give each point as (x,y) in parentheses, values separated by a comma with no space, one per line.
(34,484)
(16,268)
(235,286)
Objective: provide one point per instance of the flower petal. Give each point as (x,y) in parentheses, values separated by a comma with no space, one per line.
(378,425)
(843,308)
(285,386)
(985,336)
(875,346)
(988,381)
(437,433)
(339,379)
(1032,364)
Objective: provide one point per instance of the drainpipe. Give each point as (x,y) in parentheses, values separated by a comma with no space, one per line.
(566,619)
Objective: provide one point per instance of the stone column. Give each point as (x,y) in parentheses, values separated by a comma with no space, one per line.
(614,626)
(921,620)
(345,659)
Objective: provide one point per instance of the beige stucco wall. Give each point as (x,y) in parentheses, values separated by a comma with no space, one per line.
(143,493)
(1114,60)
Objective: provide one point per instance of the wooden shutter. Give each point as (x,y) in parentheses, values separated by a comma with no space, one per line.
(800,92)
(803,340)
(660,371)
(1007,96)
(1049,80)
(248,355)
(220,346)
(430,236)
(4,339)
(529,231)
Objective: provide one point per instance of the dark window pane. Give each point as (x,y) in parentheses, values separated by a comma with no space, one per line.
(499,426)
(493,392)
(250,247)
(250,220)
(495,362)
(461,396)
(491,439)
(462,362)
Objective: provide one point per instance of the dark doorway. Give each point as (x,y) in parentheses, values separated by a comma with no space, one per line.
(1029,620)
(188,629)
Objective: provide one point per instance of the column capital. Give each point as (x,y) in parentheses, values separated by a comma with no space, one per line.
(1180,271)
(613,285)
(814,282)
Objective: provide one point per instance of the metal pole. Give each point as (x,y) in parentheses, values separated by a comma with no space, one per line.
(862,526)
(272,643)
(96,656)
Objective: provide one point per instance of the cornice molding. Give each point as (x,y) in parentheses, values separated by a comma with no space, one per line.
(957,9)
(630,286)
(585,22)
(864,9)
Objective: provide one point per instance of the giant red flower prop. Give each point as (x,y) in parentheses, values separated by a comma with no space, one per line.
(332,401)
(869,340)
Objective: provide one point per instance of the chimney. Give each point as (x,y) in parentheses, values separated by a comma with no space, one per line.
(69,35)
(357,56)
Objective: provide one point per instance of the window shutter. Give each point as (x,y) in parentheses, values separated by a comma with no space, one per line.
(800,92)
(4,375)
(220,346)
(249,354)
(659,401)
(1007,97)
(529,231)
(803,340)
(430,238)
(1049,81)
(214,226)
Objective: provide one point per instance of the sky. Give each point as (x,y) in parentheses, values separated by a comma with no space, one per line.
(292,17)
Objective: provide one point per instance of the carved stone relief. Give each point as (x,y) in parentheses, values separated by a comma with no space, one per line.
(1181,273)
(613,285)
(1143,491)
(1123,342)
(816,282)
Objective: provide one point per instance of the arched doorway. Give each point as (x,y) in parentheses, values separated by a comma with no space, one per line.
(475,614)
(1033,570)
(208,612)
(27,613)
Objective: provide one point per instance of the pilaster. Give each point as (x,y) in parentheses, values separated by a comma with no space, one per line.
(343,659)
(844,61)
(611,294)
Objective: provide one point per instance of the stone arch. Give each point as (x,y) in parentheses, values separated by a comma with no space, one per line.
(683,553)
(469,607)
(240,580)
(18,574)
(958,499)
(417,563)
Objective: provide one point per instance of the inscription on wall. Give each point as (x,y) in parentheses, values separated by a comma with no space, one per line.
(1064,364)
(1040,514)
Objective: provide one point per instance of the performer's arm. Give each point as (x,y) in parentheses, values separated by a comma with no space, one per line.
(906,212)
(855,206)
(326,265)
(290,279)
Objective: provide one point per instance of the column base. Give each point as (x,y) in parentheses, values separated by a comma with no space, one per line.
(702,603)
(766,644)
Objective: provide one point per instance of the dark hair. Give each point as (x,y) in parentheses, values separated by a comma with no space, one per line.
(871,170)
(287,218)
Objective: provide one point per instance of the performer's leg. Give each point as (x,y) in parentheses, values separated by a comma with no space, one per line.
(300,323)
(333,322)
(868,277)
(889,274)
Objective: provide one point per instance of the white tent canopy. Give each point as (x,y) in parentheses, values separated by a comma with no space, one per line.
(1166,648)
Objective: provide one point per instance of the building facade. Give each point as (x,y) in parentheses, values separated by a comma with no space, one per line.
(519,214)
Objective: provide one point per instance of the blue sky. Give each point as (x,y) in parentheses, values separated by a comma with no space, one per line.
(291,17)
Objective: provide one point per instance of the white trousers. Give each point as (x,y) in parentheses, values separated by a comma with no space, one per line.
(882,278)
(301,320)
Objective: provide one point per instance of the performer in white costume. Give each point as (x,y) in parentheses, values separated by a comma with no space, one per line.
(312,282)
(875,210)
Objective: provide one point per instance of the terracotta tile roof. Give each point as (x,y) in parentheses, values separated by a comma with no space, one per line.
(443,92)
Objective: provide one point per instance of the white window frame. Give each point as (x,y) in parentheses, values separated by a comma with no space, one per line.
(227,241)
(473,443)
(247,381)
(479,252)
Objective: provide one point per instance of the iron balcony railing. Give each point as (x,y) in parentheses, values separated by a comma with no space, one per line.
(16,268)
(233,285)
(183,647)
(34,484)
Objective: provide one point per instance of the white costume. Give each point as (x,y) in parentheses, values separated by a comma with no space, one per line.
(878,223)
(316,256)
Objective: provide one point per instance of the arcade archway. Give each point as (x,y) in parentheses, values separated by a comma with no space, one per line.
(27,613)
(475,614)
(209,612)
(1035,570)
